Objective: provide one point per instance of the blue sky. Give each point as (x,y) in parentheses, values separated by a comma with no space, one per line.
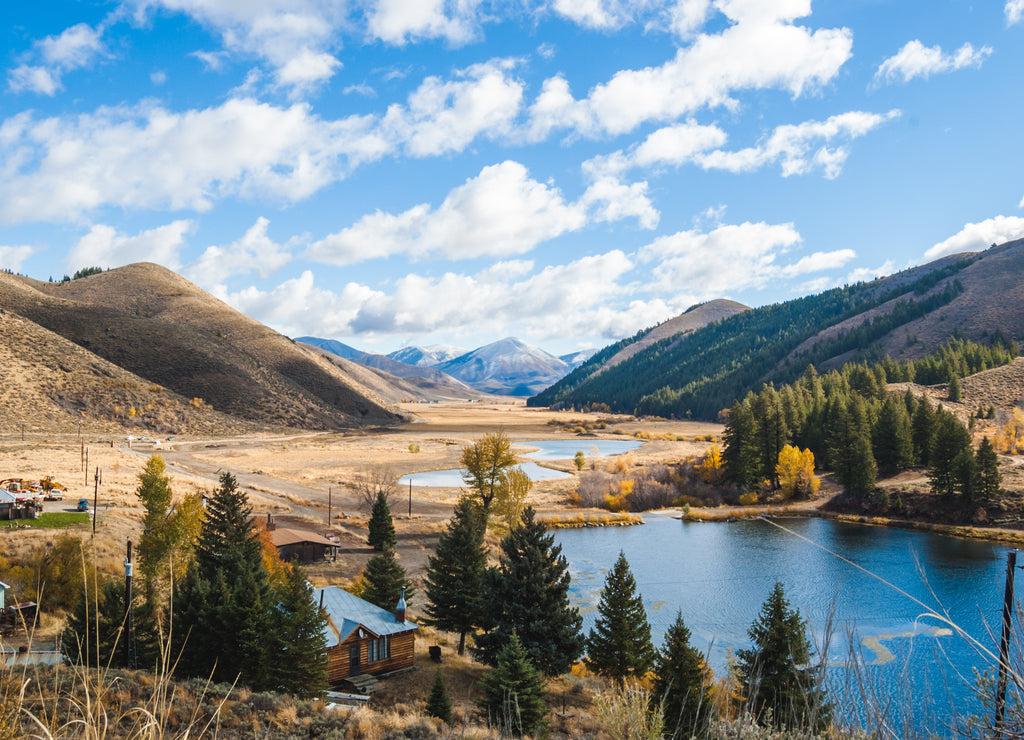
(392,172)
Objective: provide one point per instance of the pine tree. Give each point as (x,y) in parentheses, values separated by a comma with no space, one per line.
(95,633)
(682,683)
(922,430)
(438,703)
(949,439)
(770,432)
(738,454)
(514,691)
(383,580)
(778,679)
(619,644)
(990,481)
(297,628)
(850,446)
(455,573)
(956,392)
(967,476)
(892,442)
(528,593)
(381,527)
(221,611)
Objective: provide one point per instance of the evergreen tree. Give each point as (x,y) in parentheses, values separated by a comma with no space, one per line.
(155,493)
(850,446)
(956,392)
(770,432)
(738,454)
(221,611)
(455,573)
(968,479)
(381,527)
(514,691)
(949,439)
(438,703)
(778,678)
(95,633)
(922,430)
(892,442)
(989,479)
(528,593)
(682,684)
(619,644)
(297,628)
(383,581)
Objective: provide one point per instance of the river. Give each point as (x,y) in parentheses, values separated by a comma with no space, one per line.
(719,574)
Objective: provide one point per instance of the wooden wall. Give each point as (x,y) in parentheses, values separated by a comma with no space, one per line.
(403,647)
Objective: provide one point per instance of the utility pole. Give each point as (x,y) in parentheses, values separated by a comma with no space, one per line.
(410,497)
(128,607)
(95,498)
(328,506)
(1004,643)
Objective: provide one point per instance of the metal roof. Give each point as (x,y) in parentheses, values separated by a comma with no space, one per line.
(6,497)
(286,536)
(347,612)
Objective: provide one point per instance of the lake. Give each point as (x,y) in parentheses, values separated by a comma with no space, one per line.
(719,574)
(453,478)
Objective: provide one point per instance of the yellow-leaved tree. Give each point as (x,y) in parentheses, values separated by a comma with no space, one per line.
(1010,439)
(710,468)
(795,470)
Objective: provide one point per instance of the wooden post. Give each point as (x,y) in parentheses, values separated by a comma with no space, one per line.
(128,607)
(95,499)
(328,506)
(410,497)
(1004,643)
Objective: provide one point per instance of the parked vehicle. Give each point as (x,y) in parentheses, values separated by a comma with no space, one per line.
(83,504)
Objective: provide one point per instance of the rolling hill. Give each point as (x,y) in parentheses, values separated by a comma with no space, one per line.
(151,332)
(907,315)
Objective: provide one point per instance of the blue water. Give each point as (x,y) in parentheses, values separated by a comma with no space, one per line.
(453,478)
(718,575)
(566,449)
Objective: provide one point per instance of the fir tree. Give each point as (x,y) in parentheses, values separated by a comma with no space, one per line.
(95,633)
(455,573)
(738,454)
(989,479)
(968,479)
(381,527)
(528,593)
(383,581)
(770,432)
(956,392)
(892,442)
(619,645)
(922,430)
(949,439)
(778,679)
(850,446)
(438,703)
(682,683)
(221,611)
(514,691)
(297,628)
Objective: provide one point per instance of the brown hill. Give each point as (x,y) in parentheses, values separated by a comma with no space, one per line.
(157,326)
(685,323)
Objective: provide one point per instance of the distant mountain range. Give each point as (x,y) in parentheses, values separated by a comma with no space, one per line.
(725,350)
(508,367)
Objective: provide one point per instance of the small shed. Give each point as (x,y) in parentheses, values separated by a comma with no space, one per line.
(7,504)
(363,638)
(300,544)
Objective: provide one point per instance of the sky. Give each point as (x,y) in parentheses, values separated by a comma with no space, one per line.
(419,172)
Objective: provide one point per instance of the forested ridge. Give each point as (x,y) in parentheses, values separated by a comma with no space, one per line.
(699,374)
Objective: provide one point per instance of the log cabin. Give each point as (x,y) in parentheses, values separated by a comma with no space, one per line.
(362,637)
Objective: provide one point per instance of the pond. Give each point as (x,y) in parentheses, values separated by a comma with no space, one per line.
(719,574)
(566,449)
(453,478)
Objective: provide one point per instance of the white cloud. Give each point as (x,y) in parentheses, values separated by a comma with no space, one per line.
(1021,204)
(11,258)
(212,60)
(603,15)
(1014,11)
(255,252)
(917,60)
(400,21)
(610,199)
(976,237)
(762,49)
(798,149)
(159,77)
(74,48)
(500,212)
(306,69)
(819,262)
(579,293)
(105,247)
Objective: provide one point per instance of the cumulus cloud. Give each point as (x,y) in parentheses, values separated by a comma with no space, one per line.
(732,258)
(761,49)
(255,253)
(798,149)
(976,237)
(500,212)
(74,48)
(146,156)
(576,292)
(917,60)
(400,21)
(1014,11)
(11,258)
(105,246)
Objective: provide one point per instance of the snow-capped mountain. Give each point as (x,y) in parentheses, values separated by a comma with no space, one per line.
(507,367)
(575,359)
(334,347)
(430,356)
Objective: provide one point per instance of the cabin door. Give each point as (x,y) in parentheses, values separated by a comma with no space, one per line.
(353,660)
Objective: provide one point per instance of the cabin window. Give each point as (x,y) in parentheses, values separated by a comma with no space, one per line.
(379,649)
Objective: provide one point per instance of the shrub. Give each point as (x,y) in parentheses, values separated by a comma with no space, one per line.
(748,499)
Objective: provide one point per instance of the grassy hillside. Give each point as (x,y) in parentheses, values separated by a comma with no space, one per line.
(905,315)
